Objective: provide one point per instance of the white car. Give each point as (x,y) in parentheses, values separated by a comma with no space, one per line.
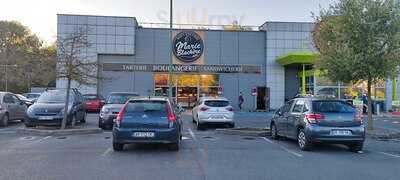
(210,110)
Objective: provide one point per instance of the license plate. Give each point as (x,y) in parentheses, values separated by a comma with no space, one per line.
(143,134)
(340,132)
(217,117)
(45,117)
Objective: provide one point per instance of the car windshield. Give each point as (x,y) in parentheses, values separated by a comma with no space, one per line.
(54,97)
(216,103)
(120,98)
(332,107)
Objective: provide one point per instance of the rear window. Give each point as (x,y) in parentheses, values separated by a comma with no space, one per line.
(148,107)
(90,97)
(120,98)
(216,103)
(332,107)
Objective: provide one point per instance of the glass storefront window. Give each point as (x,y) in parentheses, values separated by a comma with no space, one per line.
(187,87)
(161,79)
(208,91)
(209,80)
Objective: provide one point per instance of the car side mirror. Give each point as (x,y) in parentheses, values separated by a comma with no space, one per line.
(279,113)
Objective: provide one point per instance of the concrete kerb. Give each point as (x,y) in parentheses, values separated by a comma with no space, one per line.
(58,132)
(383,134)
(255,132)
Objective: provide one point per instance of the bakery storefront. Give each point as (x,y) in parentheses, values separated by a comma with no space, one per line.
(193,73)
(194,61)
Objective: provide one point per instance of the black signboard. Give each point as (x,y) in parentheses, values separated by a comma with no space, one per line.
(187,46)
(180,68)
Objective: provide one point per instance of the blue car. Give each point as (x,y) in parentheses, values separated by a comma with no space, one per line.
(148,120)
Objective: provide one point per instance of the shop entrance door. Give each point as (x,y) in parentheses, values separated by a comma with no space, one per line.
(187,88)
(262,98)
(187,96)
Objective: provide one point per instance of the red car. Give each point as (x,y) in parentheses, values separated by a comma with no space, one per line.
(94,102)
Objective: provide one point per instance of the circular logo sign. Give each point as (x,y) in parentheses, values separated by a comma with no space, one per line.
(188,46)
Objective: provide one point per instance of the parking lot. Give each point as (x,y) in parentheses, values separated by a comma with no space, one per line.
(203,155)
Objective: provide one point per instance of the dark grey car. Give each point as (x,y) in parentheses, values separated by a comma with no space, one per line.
(50,106)
(11,108)
(311,120)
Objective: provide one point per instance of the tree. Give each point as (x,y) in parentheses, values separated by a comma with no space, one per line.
(73,63)
(359,40)
(24,59)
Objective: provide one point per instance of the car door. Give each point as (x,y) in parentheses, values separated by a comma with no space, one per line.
(278,118)
(11,106)
(295,115)
(20,107)
(284,118)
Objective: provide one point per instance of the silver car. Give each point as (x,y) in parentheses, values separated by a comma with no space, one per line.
(210,110)
(11,108)
(313,120)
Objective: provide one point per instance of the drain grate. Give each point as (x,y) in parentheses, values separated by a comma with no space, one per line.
(209,138)
(62,137)
(107,137)
(28,138)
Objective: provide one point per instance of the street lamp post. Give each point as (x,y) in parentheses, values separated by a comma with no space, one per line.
(6,74)
(170,56)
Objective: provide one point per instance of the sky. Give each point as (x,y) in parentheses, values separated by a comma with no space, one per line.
(41,15)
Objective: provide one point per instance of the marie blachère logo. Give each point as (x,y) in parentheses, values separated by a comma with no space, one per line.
(188,46)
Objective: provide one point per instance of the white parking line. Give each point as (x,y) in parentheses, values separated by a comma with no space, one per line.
(396,122)
(192,134)
(105,153)
(389,154)
(42,139)
(282,147)
(185,138)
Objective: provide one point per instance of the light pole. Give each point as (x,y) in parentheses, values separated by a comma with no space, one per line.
(170,55)
(6,74)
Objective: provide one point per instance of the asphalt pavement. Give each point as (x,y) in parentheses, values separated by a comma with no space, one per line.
(203,155)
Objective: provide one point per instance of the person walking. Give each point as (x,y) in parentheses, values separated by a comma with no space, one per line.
(241,100)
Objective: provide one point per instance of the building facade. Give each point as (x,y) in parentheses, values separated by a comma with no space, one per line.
(206,62)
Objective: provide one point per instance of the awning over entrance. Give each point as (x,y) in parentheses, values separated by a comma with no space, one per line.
(297,58)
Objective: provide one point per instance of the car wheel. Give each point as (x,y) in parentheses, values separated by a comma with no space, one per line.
(4,120)
(274,131)
(355,147)
(231,125)
(29,125)
(199,125)
(302,141)
(118,146)
(101,126)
